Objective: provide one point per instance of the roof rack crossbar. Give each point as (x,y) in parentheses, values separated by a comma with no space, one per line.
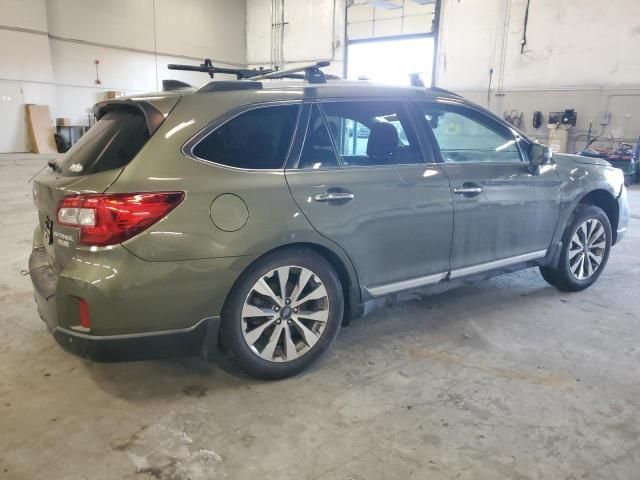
(310,72)
(208,67)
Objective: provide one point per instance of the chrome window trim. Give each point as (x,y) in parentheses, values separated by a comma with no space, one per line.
(501,163)
(189,145)
(360,167)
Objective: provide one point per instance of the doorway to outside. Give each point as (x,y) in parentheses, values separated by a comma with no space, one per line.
(391,60)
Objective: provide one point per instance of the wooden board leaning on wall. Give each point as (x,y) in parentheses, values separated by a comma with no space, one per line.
(41,129)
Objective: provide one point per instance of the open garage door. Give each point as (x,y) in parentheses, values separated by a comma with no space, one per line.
(390,39)
(391,60)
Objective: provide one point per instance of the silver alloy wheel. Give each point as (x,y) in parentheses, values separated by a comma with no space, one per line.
(285,313)
(587,249)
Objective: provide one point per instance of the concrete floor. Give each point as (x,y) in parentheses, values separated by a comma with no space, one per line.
(509,378)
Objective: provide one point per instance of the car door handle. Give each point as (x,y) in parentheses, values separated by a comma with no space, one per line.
(334,197)
(467,190)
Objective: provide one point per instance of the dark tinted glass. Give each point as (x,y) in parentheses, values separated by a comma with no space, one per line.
(111,143)
(318,152)
(256,139)
(372,133)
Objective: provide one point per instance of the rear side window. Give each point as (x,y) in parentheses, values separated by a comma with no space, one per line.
(110,144)
(257,139)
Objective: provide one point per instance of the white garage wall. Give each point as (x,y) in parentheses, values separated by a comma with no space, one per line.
(314,31)
(580,54)
(24,13)
(49,47)
(570,43)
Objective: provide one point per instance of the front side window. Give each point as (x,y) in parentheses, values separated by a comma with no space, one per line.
(256,139)
(369,133)
(465,136)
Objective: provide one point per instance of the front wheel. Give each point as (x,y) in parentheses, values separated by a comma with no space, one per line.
(283,313)
(586,244)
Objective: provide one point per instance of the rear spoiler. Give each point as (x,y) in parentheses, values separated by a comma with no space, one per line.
(170,85)
(152,115)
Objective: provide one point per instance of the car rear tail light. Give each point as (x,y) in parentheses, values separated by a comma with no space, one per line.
(108,219)
(85,321)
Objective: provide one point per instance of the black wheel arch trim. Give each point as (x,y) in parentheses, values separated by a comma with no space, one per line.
(339,261)
(569,205)
(607,201)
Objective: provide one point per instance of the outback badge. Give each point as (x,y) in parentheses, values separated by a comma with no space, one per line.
(48,231)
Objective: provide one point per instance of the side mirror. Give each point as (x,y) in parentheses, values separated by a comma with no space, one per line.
(539,154)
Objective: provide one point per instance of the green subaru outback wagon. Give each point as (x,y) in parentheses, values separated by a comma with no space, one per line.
(259,215)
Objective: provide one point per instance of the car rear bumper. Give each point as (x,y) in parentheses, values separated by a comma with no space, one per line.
(137,309)
(118,348)
(111,348)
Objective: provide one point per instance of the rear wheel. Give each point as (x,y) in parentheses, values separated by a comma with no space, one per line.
(585,250)
(283,313)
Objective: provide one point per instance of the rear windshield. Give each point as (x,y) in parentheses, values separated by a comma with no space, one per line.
(111,143)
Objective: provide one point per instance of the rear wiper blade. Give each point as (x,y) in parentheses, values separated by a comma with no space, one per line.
(53,164)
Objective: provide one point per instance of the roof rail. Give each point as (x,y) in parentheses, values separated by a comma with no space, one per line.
(208,67)
(229,86)
(310,72)
(447,92)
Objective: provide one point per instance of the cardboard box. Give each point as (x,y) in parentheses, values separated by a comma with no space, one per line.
(63,121)
(112,94)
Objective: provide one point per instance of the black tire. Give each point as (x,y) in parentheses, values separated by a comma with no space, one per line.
(561,277)
(232,322)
